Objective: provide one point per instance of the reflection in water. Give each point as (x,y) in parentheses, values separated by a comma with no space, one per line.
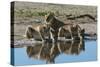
(49,51)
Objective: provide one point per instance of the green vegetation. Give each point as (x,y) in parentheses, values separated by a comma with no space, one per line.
(29,13)
(38,10)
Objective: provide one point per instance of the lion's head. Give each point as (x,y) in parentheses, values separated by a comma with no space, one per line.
(49,16)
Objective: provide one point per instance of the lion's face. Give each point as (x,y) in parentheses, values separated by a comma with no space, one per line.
(49,16)
(46,27)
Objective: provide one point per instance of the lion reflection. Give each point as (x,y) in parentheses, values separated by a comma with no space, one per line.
(49,51)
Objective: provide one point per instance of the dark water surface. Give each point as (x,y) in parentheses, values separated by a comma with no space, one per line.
(60,52)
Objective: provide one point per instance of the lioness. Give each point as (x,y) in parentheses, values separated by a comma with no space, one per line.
(71,31)
(55,24)
(38,32)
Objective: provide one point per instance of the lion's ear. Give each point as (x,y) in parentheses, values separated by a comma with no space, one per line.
(51,13)
(45,16)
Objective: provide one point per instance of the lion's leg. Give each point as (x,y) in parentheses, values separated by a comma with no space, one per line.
(49,35)
(54,35)
(70,31)
(79,34)
(59,33)
(42,37)
(82,33)
(62,34)
(71,35)
(55,38)
(41,33)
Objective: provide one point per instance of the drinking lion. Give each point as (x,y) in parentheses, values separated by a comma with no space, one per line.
(71,31)
(38,32)
(55,24)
